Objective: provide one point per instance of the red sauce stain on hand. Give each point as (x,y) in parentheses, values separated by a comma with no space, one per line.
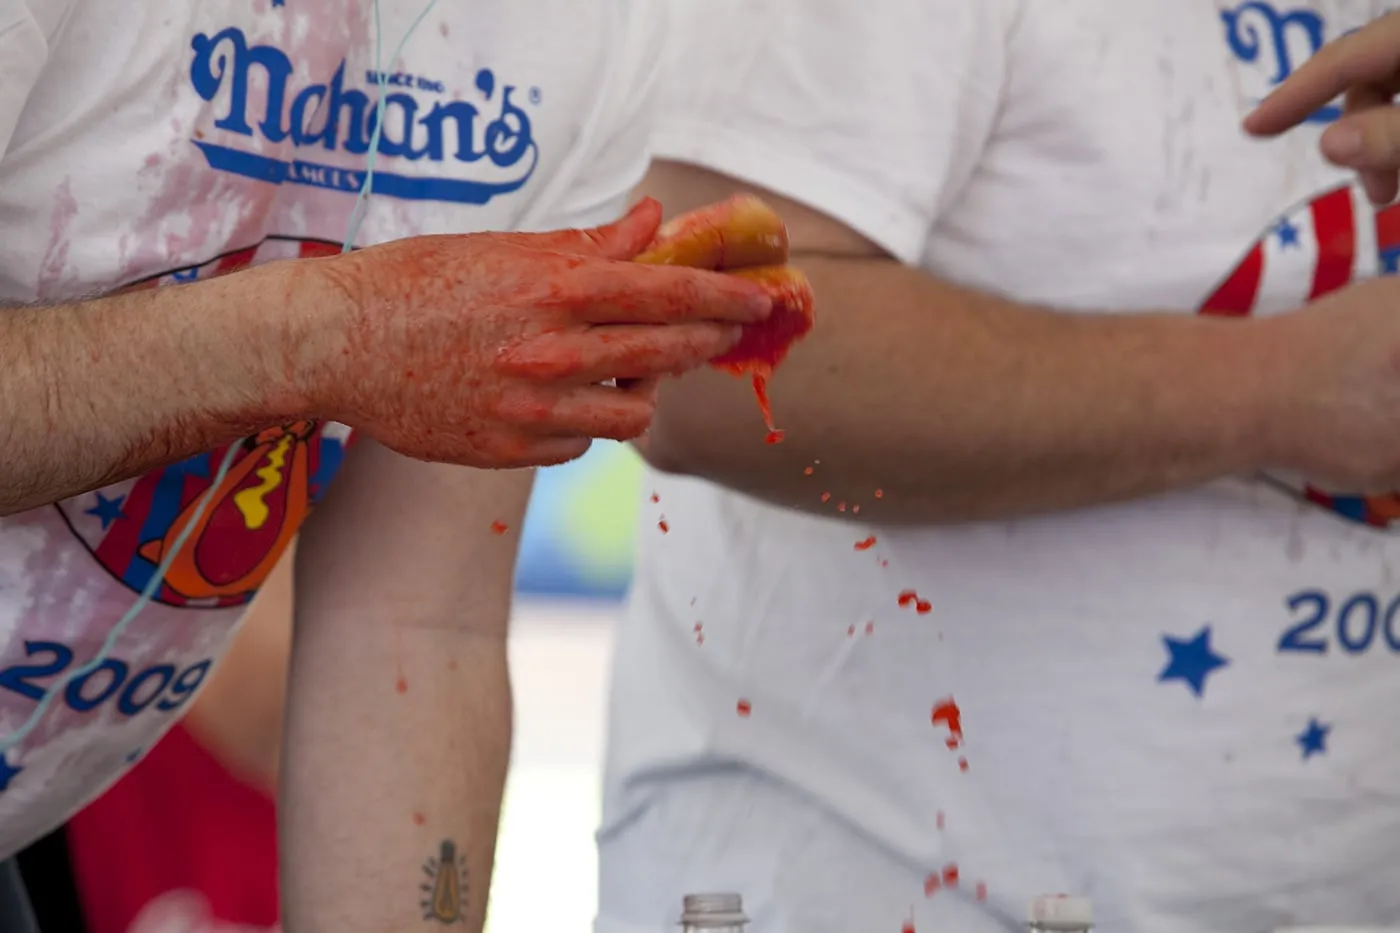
(401,685)
(743,708)
(499,528)
(866,545)
(419,819)
(910,598)
(451,664)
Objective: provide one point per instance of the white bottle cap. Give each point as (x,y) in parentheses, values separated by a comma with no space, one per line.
(713,910)
(1061,912)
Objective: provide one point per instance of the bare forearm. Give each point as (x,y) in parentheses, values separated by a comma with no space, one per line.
(958,406)
(392,783)
(398,737)
(99,391)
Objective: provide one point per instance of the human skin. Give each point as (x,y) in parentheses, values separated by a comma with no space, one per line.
(485,350)
(962,406)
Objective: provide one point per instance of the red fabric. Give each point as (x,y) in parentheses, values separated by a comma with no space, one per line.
(181,839)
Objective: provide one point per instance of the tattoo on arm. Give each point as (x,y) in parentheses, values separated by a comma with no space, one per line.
(446,888)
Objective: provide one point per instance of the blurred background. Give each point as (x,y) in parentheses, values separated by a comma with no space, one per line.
(575,564)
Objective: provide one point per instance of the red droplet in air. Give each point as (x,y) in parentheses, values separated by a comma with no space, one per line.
(981,890)
(942,820)
(808,472)
(950,874)
(870,628)
(665,528)
(850,631)
(841,507)
(699,634)
(908,927)
(931,885)
(499,528)
(884,563)
(418,819)
(401,685)
(946,713)
(655,497)
(909,598)
(879,494)
(826,497)
(743,708)
(773,437)
(855,510)
(962,764)
(699,626)
(866,545)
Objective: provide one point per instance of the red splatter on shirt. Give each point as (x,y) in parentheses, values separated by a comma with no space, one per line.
(910,598)
(743,708)
(499,528)
(866,544)
(948,714)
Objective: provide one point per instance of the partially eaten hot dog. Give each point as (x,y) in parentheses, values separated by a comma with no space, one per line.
(745,237)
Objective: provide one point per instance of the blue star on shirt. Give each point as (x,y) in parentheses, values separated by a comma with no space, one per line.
(1287,233)
(1313,739)
(7,772)
(109,510)
(1191,661)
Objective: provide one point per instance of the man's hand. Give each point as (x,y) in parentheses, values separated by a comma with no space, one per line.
(490,350)
(1332,389)
(1365,66)
(493,350)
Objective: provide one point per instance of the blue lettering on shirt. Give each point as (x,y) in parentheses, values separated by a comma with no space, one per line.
(332,118)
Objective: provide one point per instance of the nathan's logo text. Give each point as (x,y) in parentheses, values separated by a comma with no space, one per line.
(1274,43)
(495,150)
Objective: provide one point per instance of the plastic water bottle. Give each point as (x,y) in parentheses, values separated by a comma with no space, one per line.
(1060,913)
(713,913)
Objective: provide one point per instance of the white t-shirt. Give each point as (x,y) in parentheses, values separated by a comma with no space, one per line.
(163,141)
(1183,707)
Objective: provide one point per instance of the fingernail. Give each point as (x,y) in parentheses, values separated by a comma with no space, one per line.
(1342,143)
(760,306)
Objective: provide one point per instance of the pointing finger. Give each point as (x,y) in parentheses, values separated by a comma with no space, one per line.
(1368,56)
